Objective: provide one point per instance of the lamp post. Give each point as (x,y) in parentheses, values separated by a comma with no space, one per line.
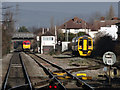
(66,32)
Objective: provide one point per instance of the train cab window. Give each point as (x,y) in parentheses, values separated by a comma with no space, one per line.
(89,42)
(24,43)
(27,43)
(81,42)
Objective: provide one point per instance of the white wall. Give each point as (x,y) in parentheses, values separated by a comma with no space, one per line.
(92,33)
(65,46)
(111,31)
(46,42)
(75,31)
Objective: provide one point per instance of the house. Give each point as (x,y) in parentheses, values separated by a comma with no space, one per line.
(103,23)
(75,26)
(107,26)
(112,31)
(47,43)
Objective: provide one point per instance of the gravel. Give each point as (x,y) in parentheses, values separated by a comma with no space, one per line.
(35,72)
(66,63)
(5,63)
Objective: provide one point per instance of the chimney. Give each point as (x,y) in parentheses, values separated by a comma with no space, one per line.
(47,29)
(102,18)
(42,30)
(115,18)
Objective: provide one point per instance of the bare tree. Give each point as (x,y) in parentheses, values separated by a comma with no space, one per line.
(52,28)
(103,43)
(110,13)
(94,16)
(7,30)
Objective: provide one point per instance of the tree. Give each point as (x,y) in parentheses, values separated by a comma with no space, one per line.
(95,16)
(23,29)
(110,13)
(8,29)
(60,35)
(103,43)
(71,36)
(52,23)
(81,34)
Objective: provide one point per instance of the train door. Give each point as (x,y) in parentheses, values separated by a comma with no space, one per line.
(85,45)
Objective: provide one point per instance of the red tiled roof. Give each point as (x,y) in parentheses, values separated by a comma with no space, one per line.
(74,23)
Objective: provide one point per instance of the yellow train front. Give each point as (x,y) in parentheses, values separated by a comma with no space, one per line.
(26,45)
(82,45)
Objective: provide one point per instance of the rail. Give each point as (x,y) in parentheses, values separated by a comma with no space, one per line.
(87,86)
(50,74)
(27,79)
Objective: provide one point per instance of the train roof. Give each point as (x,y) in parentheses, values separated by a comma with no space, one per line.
(26,41)
(79,37)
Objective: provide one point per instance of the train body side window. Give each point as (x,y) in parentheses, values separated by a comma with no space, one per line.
(76,43)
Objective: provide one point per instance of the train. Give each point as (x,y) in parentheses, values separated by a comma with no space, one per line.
(82,45)
(26,45)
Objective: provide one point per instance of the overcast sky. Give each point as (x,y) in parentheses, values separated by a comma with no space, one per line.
(60,0)
(39,14)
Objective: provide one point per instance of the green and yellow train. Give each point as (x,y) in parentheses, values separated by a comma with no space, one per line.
(82,45)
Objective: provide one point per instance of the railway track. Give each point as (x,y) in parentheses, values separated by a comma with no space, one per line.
(16,76)
(66,81)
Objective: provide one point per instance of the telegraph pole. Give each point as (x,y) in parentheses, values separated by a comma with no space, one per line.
(66,32)
(16,12)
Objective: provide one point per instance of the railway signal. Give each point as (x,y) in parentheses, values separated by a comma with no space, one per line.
(53,86)
(109,58)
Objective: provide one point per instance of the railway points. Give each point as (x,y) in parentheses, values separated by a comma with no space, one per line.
(94,76)
(95,71)
(69,76)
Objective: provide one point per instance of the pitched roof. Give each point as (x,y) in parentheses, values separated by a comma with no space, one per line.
(74,23)
(23,35)
(103,23)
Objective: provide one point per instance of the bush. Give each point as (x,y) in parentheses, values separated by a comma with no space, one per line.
(102,45)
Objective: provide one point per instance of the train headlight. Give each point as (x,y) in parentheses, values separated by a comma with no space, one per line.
(89,46)
(80,46)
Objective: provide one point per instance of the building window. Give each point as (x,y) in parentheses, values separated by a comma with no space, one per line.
(76,30)
(48,38)
(44,38)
